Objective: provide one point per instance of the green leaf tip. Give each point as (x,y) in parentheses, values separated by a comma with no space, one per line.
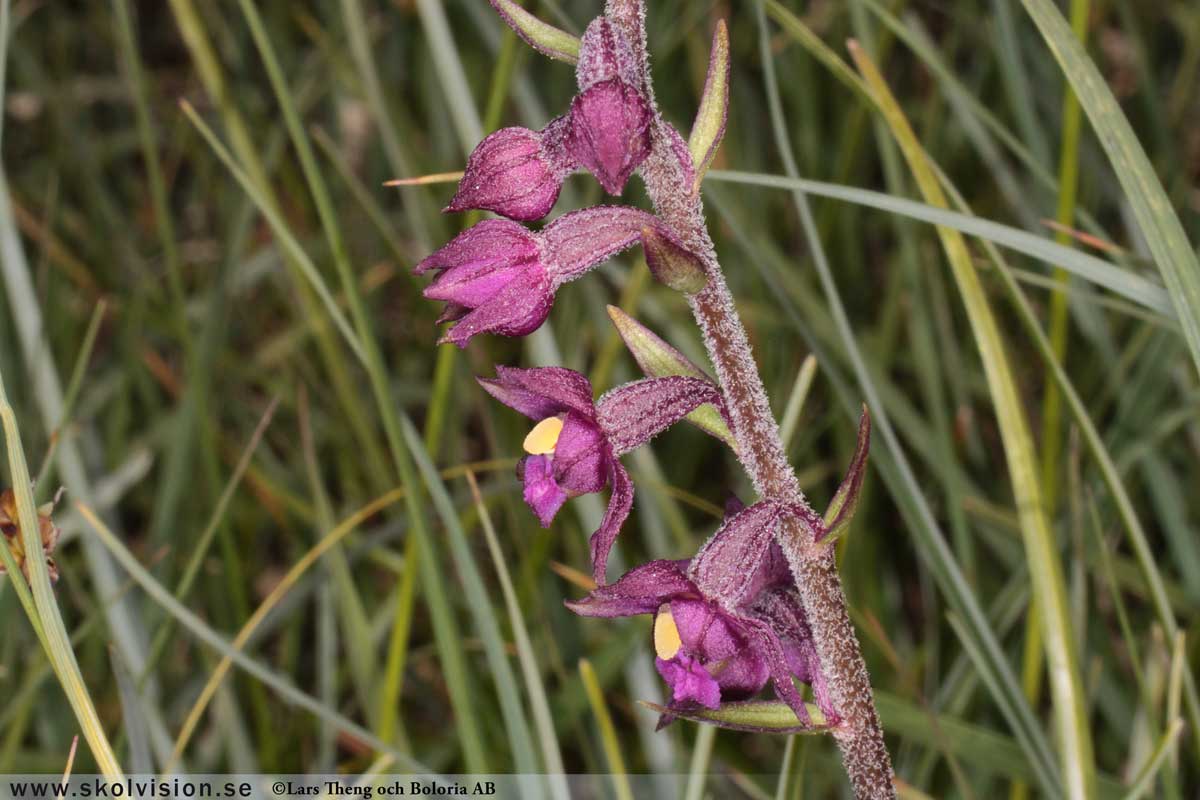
(755,716)
(671,263)
(657,359)
(541,36)
(845,499)
(709,127)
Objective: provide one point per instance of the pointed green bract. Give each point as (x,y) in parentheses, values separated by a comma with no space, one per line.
(659,359)
(541,36)
(756,716)
(709,127)
(845,499)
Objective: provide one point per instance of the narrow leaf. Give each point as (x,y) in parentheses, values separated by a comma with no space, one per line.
(1160,225)
(845,499)
(1049,588)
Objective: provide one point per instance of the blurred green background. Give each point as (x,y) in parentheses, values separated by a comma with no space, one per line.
(167,295)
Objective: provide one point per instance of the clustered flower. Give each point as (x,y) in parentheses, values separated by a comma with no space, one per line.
(730,620)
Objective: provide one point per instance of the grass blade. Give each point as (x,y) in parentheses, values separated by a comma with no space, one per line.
(1160,226)
(1076,759)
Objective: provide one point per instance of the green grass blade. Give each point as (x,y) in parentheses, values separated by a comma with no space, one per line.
(551,754)
(517,725)
(54,633)
(1074,736)
(198,628)
(1160,226)
(1092,269)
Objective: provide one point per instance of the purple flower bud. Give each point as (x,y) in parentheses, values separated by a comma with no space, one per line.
(515,172)
(492,279)
(605,54)
(573,448)
(611,116)
(610,132)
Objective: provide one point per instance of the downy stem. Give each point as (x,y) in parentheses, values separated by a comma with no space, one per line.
(761,452)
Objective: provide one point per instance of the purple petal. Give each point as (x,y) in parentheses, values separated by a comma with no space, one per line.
(743,675)
(471,285)
(508,173)
(542,494)
(497,242)
(769,648)
(541,392)
(727,566)
(517,310)
(705,630)
(605,54)
(782,609)
(576,242)
(689,681)
(610,132)
(636,412)
(581,457)
(640,591)
(614,517)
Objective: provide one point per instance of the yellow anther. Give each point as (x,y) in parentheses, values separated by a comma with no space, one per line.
(666,634)
(542,440)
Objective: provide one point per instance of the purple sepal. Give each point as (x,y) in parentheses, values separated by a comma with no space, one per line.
(541,392)
(689,681)
(610,132)
(509,173)
(634,413)
(619,505)
(640,591)
(576,242)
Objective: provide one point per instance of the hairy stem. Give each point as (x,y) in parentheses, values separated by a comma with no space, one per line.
(761,451)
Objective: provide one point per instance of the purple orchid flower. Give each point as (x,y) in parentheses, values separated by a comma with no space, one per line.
(499,277)
(610,119)
(574,447)
(728,621)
